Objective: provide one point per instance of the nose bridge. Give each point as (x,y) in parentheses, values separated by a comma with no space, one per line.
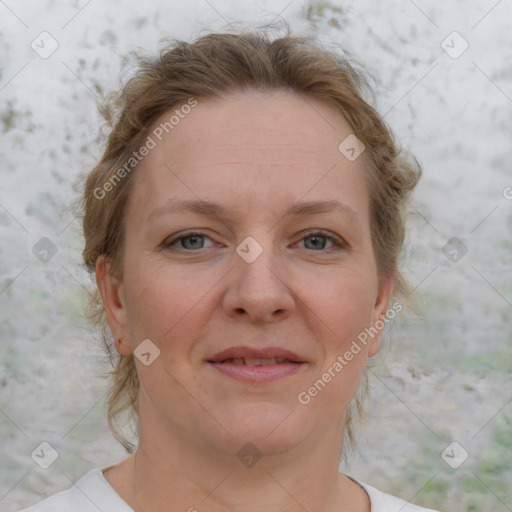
(258,265)
(258,287)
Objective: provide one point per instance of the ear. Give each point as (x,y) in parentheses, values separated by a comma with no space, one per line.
(379,312)
(112,293)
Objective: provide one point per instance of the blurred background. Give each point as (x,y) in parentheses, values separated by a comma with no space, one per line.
(439,431)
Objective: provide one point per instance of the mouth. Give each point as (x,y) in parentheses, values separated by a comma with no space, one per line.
(257,365)
(255,362)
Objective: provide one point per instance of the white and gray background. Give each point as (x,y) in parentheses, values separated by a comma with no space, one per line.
(440,425)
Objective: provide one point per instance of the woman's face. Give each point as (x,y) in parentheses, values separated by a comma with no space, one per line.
(279,260)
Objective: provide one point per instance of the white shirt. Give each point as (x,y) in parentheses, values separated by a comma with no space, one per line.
(92,493)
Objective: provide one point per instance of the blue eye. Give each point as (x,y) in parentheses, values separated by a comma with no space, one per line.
(193,237)
(319,240)
(194,240)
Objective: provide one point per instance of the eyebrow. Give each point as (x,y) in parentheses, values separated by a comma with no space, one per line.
(297,209)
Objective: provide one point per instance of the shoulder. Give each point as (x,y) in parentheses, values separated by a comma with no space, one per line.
(89,494)
(382,502)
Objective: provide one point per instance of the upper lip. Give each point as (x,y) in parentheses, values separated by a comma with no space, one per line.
(256,353)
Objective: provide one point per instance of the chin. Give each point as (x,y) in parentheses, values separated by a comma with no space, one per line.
(270,427)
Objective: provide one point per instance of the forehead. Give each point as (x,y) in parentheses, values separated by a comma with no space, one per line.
(267,120)
(257,149)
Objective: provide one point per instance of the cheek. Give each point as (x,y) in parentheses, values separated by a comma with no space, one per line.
(344,305)
(164,304)
(344,302)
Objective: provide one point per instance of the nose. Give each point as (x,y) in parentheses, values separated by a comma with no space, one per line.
(258,289)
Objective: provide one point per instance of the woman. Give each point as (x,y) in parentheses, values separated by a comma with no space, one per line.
(244,225)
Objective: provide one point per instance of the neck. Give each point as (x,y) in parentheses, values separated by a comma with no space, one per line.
(182,473)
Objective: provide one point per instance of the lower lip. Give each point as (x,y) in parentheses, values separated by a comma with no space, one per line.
(260,373)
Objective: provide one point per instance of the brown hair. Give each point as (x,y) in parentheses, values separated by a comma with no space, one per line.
(211,66)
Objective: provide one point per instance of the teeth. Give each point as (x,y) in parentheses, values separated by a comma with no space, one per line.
(256,362)
(259,362)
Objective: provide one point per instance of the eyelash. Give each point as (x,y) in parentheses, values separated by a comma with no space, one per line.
(338,242)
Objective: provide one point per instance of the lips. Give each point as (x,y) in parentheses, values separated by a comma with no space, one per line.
(257,366)
(256,357)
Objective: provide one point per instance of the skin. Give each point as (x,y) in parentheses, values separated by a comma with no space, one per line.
(254,153)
